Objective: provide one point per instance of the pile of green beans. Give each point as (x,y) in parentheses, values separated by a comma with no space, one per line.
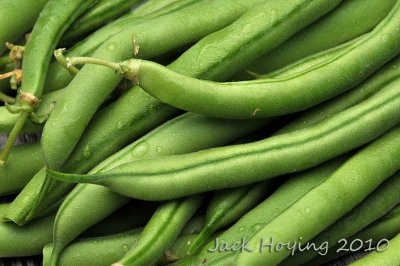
(200,132)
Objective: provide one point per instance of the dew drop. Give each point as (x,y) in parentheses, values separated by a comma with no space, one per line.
(140,149)
(125,247)
(241,229)
(159,149)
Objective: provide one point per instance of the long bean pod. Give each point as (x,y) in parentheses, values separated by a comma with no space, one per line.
(375,206)
(349,20)
(186,133)
(99,15)
(224,167)
(271,97)
(53,21)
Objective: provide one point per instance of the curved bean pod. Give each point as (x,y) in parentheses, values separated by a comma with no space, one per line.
(148,37)
(29,240)
(97,16)
(225,167)
(342,191)
(53,21)
(272,97)
(26,160)
(286,195)
(186,133)
(349,20)
(160,232)
(58,77)
(381,201)
(222,202)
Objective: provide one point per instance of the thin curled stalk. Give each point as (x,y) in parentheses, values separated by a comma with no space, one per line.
(6,99)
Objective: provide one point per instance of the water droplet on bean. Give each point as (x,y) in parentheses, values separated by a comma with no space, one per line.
(140,149)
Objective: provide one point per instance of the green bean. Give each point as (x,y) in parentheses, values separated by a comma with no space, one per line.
(227,206)
(223,200)
(58,77)
(269,97)
(105,250)
(375,206)
(97,16)
(16,18)
(387,255)
(148,37)
(186,133)
(343,190)
(26,160)
(286,195)
(54,19)
(385,228)
(349,20)
(225,167)
(163,228)
(320,207)
(149,112)
(372,85)
(29,240)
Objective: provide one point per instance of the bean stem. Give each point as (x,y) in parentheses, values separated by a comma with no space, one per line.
(7,99)
(13,136)
(72,61)
(59,55)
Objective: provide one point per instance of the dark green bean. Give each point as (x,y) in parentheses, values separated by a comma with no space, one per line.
(349,20)
(97,16)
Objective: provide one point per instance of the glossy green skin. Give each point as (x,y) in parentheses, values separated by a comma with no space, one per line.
(29,240)
(221,206)
(148,114)
(53,21)
(286,195)
(386,227)
(369,87)
(25,161)
(389,257)
(72,115)
(186,133)
(108,249)
(161,231)
(380,202)
(315,210)
(17,18)
(342,191)
(100,14)
(225,167)
(349,20)
(274,97)
(229,205)
(8,120)
(58,77)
